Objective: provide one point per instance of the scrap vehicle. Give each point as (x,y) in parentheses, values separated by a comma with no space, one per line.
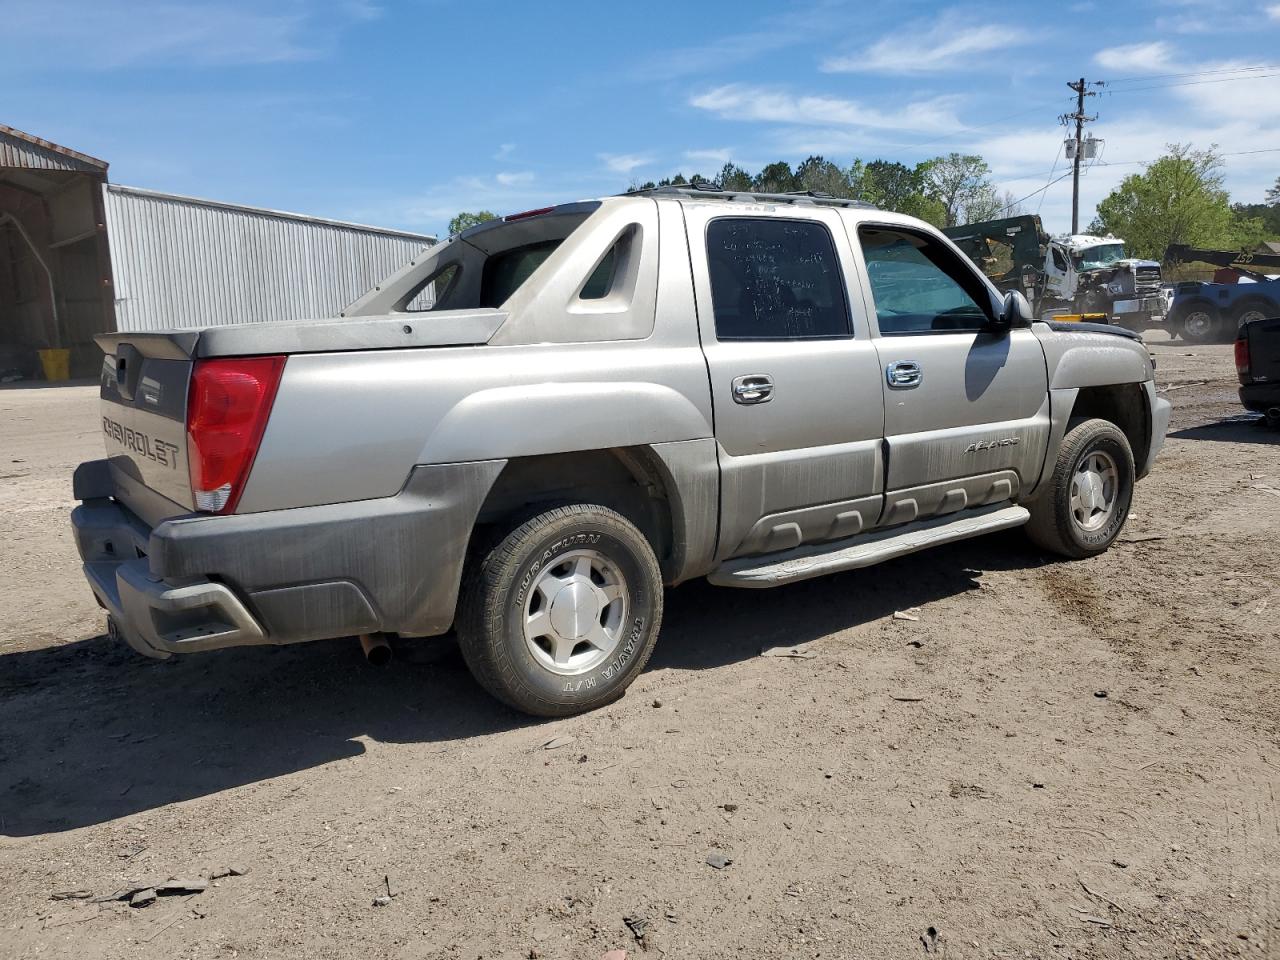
(1245,288)
(1079,274)
(600,399)
(1257,351)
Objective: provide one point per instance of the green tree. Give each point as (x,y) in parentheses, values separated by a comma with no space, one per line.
(1273,194)
(776,178)
(1177,199)
(1268,215)
(897,187)
(962,184)
(822,176)
(733,177)
(466,220)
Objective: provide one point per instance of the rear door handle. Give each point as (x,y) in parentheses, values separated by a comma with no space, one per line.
(904,374)
(753,388)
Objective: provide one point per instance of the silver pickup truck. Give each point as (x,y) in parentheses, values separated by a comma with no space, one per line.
(530,430)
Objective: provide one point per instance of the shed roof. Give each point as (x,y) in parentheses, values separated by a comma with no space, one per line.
(24,150)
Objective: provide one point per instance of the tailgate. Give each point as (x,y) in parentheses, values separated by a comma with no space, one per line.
(1264,350)
(143,409)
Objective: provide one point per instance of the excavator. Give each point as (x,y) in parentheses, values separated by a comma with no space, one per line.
(1245,287)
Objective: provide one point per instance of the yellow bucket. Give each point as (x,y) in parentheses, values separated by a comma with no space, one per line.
(56,364)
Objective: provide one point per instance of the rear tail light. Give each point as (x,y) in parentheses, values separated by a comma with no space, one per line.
(1242,357)
(227,412)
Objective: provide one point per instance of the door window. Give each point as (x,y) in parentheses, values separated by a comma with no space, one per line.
(919,286)
(774,279)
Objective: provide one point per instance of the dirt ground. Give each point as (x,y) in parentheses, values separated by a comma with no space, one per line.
(1056,760)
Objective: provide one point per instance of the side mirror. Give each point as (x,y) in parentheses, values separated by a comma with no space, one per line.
(1014,312)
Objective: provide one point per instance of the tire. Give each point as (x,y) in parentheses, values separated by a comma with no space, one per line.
(1199,322)
(1252,310)
(561,614)
(1056,522)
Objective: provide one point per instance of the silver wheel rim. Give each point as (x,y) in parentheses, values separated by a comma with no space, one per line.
(575,612)
(1198,324)
(1094,490)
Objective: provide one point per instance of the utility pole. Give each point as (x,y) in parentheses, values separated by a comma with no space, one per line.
(1080,120)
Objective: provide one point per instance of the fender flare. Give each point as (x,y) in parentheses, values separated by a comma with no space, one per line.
(521,421)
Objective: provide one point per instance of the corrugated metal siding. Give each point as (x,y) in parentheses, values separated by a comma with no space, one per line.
(17,152)
(179,262)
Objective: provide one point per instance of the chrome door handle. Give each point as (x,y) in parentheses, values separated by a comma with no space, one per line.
(903,374)
(753,388)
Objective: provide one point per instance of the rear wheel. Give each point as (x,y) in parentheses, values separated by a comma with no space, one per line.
(562,614)
(1252,310)
(1087,500)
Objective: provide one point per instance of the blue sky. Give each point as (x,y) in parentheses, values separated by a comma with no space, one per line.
(402,112)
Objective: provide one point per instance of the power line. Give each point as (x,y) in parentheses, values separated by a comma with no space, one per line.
(1045,188)
(1238,153)
(1041,190)
(1196,83)
(1194,73)
(981,126)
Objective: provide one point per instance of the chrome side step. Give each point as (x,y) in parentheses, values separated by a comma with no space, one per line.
(817,560)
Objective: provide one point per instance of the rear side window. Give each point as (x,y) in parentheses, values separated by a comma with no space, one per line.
(775,279)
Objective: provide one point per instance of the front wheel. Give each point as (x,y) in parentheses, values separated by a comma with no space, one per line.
(1087,499)
(1199,323)
(562,614)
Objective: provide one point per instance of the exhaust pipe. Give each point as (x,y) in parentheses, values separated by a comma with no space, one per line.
(376,649)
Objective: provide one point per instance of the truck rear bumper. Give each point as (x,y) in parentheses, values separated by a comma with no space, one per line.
(1260,397)
(198,582)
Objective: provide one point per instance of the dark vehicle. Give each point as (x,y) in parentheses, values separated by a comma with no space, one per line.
(1208,312)
(1258,365)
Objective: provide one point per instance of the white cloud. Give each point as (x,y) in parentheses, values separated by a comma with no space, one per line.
(952,41)
(741,102)
(1273,11)
(624,162)
(1130,144)
(504,151)
(718,157)
(1152,57)
(515,179)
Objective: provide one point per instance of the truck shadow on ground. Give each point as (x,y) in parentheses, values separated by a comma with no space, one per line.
(1240,428)
(94,732)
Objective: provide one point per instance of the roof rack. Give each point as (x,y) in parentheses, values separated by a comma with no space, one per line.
(704,190)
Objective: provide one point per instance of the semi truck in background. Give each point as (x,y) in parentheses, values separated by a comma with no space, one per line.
(1078,273)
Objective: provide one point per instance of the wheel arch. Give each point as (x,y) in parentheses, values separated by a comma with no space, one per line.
(1269,307)
(1125,405)
(663,489)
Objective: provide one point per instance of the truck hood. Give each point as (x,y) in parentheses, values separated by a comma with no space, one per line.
(1072,326)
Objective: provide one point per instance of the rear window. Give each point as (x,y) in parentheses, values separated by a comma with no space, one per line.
(505,272)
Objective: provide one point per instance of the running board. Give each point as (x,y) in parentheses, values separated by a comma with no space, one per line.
(817,560)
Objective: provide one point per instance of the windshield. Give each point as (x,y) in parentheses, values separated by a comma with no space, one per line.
(1102,255)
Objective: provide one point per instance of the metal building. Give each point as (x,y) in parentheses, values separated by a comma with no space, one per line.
(80,256)
(180,261)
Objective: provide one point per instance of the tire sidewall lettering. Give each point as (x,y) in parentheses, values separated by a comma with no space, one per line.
(1101,539)
(617,669)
